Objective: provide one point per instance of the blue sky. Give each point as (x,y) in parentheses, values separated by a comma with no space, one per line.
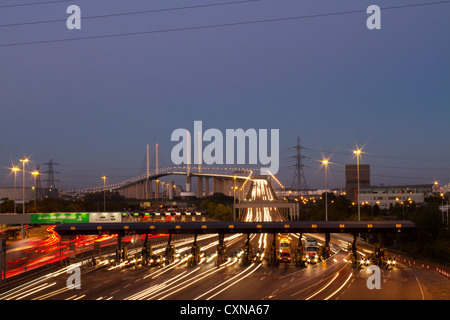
(93,105)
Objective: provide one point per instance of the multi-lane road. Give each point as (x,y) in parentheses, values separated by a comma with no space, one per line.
(332,279)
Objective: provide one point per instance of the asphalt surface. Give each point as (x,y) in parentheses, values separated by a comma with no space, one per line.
(333,279)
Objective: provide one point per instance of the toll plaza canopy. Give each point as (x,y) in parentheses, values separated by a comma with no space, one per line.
(234,227)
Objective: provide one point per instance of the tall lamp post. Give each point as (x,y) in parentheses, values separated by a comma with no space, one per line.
(35,173)
(234,197)
(358,154)
(325,163)
(15,169)
(24,162)
(104,193)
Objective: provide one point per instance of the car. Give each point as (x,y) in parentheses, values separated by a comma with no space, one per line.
(364,261)
(258,257)
(156,260)
(391,262)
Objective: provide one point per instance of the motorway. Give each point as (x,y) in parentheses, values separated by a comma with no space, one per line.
(332,279)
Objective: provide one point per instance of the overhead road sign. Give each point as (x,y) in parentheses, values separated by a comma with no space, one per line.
(52,218)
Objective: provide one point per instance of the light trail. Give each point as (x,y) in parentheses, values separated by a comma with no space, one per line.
(232,284)
(30,291)
(323,288)
(340,288)
(200,277)
(147,292)
(26,286)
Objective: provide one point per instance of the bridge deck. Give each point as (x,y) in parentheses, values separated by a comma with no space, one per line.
(234,227)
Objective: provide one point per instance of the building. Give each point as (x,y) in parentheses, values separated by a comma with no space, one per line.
(351,180)
(385,196)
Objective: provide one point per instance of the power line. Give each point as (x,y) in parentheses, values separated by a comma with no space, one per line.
(131,13)
(370,155)
(33,4)
(215,25)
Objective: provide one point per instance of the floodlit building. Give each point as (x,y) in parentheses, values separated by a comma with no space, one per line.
(385,196)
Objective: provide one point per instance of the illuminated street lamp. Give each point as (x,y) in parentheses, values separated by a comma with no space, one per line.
(358,154)
(104,193)
(24,161)
(157,189)
(234,197)
(325,163)
(35,173)
(15,169)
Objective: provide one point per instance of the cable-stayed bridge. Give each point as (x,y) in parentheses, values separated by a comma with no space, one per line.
(208,180)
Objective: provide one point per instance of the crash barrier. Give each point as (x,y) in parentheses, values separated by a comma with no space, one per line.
(428,266)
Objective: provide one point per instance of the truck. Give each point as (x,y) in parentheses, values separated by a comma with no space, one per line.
(312,251)
(284,253)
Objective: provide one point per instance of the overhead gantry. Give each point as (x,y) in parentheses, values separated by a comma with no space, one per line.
(222,228)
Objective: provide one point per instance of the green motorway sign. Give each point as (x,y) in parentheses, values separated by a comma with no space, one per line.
(59,217)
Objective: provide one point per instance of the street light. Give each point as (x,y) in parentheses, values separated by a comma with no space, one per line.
(157,188)
(234,197)
(15,169)
(104,193)
(24,161)
(35,173)
(325,163)
(358,154)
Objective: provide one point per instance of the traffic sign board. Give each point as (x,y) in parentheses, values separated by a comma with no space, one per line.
(52,218)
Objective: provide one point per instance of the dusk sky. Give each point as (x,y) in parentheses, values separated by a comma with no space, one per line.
(92,105)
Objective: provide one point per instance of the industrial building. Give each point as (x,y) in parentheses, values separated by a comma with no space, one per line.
(351,180)
(385,196)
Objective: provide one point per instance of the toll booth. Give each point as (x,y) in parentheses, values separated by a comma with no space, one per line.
(146,251)
(222,254)
(299,254)
(247,255)
(194,253)
(124,254)
(273,258)
(170,251)
(326,250)
(72,252)
(354,252)
(379,254)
